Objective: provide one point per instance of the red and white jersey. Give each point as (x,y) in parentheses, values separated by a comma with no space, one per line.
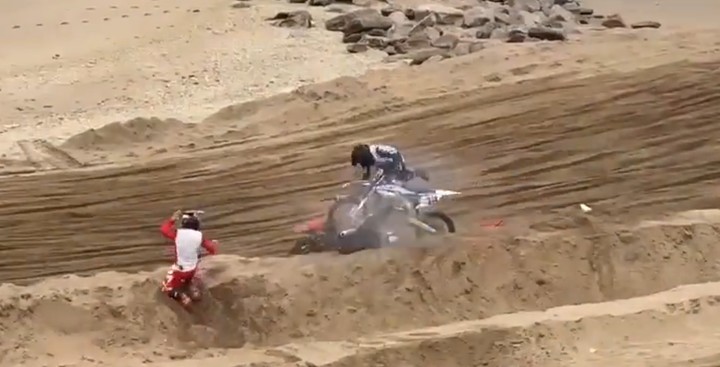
(188,244)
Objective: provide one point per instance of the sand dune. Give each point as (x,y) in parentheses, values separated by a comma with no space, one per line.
(622,120)
(264,304)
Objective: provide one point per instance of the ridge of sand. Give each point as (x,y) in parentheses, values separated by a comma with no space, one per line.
(266,302)
(515,332)
(669,328)
(596,54)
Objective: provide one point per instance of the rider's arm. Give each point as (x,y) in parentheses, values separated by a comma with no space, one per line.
(366,174)
(210,246)
(168,229)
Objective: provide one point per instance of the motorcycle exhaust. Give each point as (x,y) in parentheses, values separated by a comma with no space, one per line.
(347,232)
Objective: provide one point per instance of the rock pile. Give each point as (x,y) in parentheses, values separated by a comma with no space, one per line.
(292,19)
(435,31)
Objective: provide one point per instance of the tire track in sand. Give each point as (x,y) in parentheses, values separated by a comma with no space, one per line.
(628,143)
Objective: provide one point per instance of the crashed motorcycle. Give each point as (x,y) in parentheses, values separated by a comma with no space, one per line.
(357,221)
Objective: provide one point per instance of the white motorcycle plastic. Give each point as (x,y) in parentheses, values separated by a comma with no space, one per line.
(416,205)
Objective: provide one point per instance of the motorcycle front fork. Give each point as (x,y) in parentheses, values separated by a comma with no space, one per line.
(413,214)
(422,225)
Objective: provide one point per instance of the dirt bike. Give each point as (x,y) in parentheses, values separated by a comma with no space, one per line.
(352,224)
(320,234)
(415,207)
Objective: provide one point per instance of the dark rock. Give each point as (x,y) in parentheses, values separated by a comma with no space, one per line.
(386,11)
(526,5)
(357,48)
(401,48)
(467,47)
(545,6)
(476,46)
(461,49)
(340,22)
(560,14)
(434,59)
(377,32)
(493,78)
(421,58)
(293,19)
(546,34)
(423,54)
(645,24)
(352,38)
(362,3)
(432,33)
(529,19)
(477,17)
(446,15)
(367,22)
(390,50)
(399,32)
(319,2)
(417,57)
(338,8)
(572,7)
(486,30)
(297,1)
(429,20)
(375,42)
(446,41)
(585,19)
(417,41)
(410,13)
(516,35)
(614,21)
(500,33)
(504,18)
(398,17)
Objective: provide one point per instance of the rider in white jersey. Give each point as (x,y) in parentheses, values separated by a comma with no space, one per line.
(380,156)
(188,241)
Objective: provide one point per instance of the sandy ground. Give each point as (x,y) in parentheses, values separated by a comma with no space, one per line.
(95,62)
(454,306)
(623,120)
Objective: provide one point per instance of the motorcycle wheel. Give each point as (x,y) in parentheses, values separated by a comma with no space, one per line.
(307,245)
(440,221)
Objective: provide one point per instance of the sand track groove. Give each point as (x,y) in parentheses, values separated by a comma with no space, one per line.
(630,143)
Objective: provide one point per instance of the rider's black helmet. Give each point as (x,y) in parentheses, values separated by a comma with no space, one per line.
(362,155)
(190,221)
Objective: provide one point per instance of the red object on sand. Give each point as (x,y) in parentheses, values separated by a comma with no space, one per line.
(496,224)
(316,225)
(313,225)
